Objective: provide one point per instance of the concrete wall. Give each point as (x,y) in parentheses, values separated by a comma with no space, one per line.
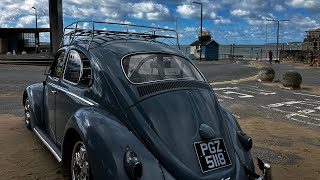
(297,55)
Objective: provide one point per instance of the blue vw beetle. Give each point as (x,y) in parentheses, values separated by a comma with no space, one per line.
(122,105)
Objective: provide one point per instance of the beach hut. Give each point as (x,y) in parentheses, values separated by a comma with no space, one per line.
(210,48)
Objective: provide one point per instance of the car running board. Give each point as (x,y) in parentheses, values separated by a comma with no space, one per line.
(50,145)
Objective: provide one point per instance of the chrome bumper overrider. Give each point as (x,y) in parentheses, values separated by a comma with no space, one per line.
(266,169)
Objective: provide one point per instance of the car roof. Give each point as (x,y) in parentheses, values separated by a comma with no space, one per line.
(123,45)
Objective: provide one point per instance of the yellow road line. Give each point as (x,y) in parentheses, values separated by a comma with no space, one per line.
(236,81)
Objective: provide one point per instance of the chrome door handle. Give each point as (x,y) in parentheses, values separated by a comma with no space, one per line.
(54,92)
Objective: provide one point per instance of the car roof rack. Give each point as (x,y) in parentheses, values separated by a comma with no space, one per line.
(94,35)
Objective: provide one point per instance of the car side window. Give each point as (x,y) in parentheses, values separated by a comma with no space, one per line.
(78,70)
(57,66)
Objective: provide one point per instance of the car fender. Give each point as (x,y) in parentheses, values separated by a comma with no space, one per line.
(35,94)
(244,155)
(107,140)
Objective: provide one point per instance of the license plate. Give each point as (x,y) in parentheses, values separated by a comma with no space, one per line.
(212,154)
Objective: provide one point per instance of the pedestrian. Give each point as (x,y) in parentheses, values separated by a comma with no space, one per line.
(314,60)
(270,56)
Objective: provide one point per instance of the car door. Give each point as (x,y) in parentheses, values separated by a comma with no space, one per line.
(51,90)
(75,82)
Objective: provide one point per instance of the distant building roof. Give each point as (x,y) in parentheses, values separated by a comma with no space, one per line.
(23,30)
(314,30)
(204,43)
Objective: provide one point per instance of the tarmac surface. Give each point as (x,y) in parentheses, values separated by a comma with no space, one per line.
(284,124)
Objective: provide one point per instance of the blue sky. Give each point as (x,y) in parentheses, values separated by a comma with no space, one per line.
(228,21)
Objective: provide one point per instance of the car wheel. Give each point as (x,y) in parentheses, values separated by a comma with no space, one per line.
(79,162)
(27,113)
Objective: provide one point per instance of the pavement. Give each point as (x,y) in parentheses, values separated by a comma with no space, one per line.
(26,59)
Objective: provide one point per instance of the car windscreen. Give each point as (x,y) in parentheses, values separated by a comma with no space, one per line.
(141,68)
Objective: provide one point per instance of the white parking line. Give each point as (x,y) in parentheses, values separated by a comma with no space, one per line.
(261,92)
(311,95)
(241,94)
(305,114)
(244,91)
(225,88)
(224,96)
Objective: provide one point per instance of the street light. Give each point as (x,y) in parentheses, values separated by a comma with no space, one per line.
(278,22)
(200,29)
(36,34)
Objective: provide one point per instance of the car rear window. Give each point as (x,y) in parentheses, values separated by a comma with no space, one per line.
(142,68)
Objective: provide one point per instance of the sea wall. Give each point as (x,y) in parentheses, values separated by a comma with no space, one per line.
(296,55)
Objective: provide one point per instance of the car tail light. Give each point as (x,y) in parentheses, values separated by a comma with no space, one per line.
(245,140)
(132,165)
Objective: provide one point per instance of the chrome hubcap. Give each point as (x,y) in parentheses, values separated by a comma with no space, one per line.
(27,111)
(79,163)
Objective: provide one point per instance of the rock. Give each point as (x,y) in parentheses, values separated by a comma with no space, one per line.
(9,53)
(23,52)
(291,79)
(266,74)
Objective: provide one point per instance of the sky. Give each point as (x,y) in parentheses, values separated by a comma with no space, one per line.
(228,21)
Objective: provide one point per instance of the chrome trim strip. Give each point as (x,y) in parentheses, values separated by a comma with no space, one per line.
(48,145)
(74,95)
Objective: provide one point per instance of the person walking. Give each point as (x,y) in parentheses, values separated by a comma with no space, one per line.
(270,56)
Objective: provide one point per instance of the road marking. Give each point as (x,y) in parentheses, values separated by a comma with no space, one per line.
(261,92)
(241,94)
(225,88)
(283,104)
(305,114)
(235,81)
(243,91)
(313,101)
(224,96)
(306,94)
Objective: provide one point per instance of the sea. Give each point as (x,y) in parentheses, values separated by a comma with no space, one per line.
(249,52)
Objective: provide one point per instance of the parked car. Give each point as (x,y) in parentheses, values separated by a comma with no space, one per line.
(124,106)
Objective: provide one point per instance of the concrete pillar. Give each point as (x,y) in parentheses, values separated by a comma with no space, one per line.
(56,24)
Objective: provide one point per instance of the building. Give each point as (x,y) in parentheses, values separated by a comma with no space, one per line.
(312,41)
(20,39)
(210,50)
(209,47)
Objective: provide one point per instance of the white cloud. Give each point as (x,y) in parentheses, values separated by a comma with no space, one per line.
(187,11)
(149,11)
(239,12)
(23,21)
(310,4)
(279,8)
(190,29)
(220,20)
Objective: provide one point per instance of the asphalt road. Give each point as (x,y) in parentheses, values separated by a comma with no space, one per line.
(226,72)
(14,79)
(295,106)
(266,100)
(282,145)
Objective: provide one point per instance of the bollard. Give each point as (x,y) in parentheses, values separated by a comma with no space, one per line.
(291,79)
(266,74)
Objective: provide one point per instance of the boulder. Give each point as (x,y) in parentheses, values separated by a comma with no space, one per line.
(291,79)
(266,74)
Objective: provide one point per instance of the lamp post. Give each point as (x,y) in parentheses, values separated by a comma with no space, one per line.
(36,34)
(278,23)
(200,29)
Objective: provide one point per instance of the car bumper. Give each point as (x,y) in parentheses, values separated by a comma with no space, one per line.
(266,169)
